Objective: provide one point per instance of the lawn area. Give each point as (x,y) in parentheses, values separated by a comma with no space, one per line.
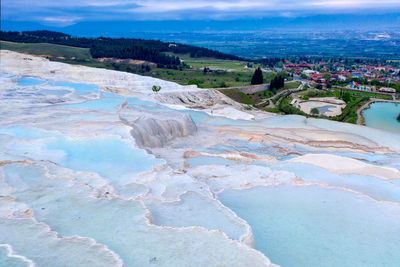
(215,79)
(52,50)
(238,96)
(292,85)
(362,94)
(216,64)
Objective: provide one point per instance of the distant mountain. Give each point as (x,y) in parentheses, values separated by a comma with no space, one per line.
(128,28)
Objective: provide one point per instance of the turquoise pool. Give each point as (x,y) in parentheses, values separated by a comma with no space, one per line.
(383,116)
(315,226)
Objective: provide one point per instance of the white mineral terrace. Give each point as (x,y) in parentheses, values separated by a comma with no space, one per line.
(96,169)
(329,105)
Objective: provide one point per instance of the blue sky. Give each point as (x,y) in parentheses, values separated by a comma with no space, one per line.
(66,13)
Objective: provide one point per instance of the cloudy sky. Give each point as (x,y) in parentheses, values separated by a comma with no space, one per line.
(69,12)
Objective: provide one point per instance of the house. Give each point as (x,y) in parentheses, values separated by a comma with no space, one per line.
(387,90)
(317,77)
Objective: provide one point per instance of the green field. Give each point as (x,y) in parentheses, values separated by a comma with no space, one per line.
(362,94)
(215,79)
(49,50)
(238,96)
(292,85)
(217,64)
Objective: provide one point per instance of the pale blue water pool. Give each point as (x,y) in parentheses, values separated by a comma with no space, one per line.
(12,261)
(205,160)
(21,131)
(107,103)
(383,116)
(28,81)
(372,186)
(317,226)
(197,116)
(110,156)
(80,88)
(324,109)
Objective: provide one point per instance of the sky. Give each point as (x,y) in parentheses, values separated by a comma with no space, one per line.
(131,18)
(69,12)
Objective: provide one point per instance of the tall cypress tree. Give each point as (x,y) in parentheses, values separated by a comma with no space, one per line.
(276,83)
(257,77)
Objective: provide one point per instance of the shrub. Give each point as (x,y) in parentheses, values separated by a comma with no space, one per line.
(194,82)
(156,88)
(314,111)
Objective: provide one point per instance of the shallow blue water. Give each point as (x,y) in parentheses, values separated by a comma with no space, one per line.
(205,160)
(80,88)
(25,132)
(134,101)
(317,226)
(372,186)
(7,261)
(324,109)
(109,156)
(108,103)
(197,116)
(28,81)
(383,116)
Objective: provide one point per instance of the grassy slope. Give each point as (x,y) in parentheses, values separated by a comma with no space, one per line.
(292,85)
(52,50)
(209,80)
(238,96)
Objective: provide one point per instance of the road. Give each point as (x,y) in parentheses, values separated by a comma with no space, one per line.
(272,105)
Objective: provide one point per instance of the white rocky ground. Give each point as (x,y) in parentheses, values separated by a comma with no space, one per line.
(133,178)
(336,105)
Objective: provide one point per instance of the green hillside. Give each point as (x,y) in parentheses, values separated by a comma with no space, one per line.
(50,50)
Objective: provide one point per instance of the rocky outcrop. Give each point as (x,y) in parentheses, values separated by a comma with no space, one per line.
(152,132)
(202,98)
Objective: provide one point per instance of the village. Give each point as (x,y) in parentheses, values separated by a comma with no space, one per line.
(380,77)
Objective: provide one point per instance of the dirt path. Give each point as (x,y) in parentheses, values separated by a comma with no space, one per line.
(272,105)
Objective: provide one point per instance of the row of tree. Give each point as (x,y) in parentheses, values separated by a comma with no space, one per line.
(276,83)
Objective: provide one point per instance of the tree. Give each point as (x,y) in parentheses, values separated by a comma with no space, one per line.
(276,83)
(346,97)
(314,111)
(257,77)
(156,88)
(398,117)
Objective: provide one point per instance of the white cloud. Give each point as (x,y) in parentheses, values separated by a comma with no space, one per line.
(60,21)
(182,9)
